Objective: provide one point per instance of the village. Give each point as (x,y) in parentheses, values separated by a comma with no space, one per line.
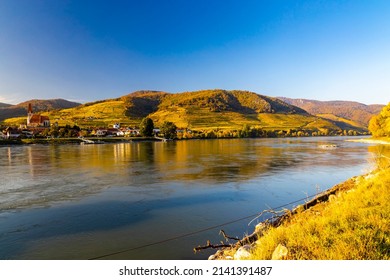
(38,126)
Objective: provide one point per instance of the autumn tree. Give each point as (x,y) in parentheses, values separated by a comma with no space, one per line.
(379,125)
(168,129)
(146,127)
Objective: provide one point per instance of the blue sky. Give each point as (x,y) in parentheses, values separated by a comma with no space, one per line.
(90,50)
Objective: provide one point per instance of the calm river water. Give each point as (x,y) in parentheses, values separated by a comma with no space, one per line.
(87,201)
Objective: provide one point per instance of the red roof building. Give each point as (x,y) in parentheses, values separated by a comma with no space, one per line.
(34,120)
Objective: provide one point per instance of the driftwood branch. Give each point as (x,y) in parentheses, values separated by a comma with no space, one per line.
(211,246)
(217,246)
(273,221)
(276,216)
(227,238)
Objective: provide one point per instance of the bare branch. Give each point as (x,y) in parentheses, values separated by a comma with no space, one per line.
(212,246)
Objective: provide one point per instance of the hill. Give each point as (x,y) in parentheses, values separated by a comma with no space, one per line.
(205,110)
(20,110)
(198,110)
(4,105)
(346,114)
(140,104)
(50,104)
(223,109)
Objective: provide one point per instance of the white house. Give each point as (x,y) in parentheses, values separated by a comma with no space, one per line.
(116,126)
(12,133)
(101,132)
(113,132)
(27,133)
(132,132)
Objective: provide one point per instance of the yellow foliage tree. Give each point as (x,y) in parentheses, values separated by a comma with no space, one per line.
(379,125)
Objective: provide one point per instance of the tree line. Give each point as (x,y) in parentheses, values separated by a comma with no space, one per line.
(168,129)
(378,126)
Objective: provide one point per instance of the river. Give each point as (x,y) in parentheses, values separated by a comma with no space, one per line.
(155,200)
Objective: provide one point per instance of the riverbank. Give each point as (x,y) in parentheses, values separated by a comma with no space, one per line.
(349,221)
(74,140)
(102,140)
(383,141)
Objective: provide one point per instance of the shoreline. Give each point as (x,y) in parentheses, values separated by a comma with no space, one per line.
(246,248)
(110,140)
(73,141)
(370,141)
(262,227)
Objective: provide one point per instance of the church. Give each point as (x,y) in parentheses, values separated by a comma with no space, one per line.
(35,120)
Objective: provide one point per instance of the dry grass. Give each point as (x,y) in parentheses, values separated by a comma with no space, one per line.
(355,226)
(99,114)
(15,121)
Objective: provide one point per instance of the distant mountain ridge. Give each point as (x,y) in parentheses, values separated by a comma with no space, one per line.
(215,109)
(205,109)
(38,105)
(4,105)
(49,104)
(350,110)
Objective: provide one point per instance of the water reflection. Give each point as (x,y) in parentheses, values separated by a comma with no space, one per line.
(72,199)
(56,173)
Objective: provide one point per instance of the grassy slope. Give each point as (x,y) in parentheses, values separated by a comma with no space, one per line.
(97,114)
(232,110)
(357,112)
(103,114)
(15,121)
(356,225)
(343,123)
(294,121)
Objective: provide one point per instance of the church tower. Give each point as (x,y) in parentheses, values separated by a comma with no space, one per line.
(29,113)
